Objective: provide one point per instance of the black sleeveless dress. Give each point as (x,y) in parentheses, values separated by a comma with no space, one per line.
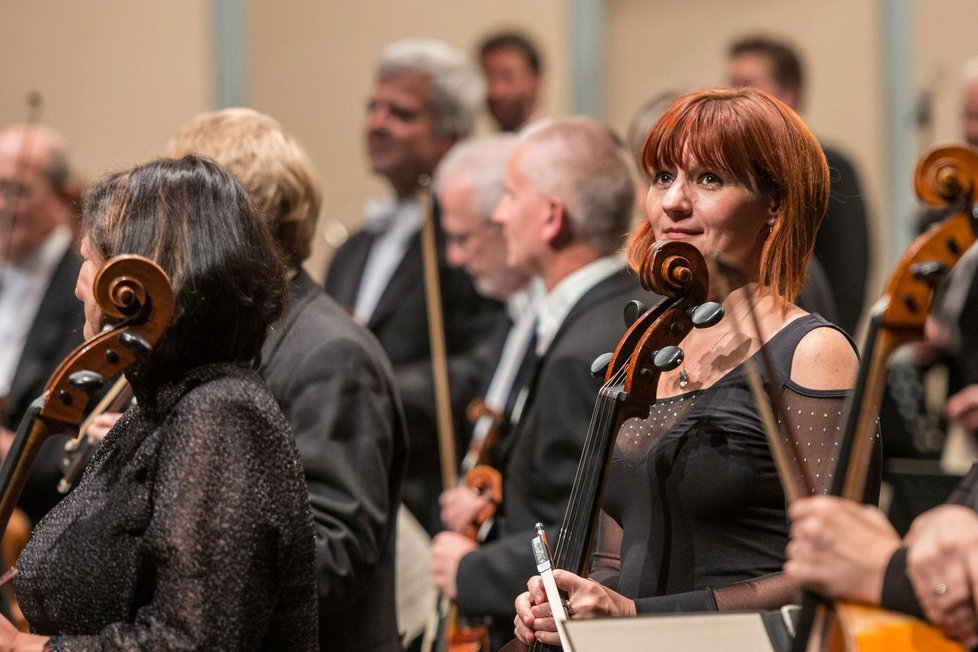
(696,492)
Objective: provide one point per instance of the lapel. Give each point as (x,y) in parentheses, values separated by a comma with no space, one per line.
(600,293)
(408,278)
(51,335)
(346,270)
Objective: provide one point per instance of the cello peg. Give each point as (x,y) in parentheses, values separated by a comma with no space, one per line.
(633,310)
(668,358)
(930,272)
(87,381)
(600,365)
(706,314)
(135,343)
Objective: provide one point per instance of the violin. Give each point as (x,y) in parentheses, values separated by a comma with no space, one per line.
(678,272)
(134,293)
(944,176)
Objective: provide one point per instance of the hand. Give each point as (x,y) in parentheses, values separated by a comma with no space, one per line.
(586,599)
(459,507)
(6,440)
(13,639)
(942,563)
(962,408)
(447,550)
(102,424)
(839,548)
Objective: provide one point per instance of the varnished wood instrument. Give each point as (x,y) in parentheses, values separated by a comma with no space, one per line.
(948,176)
(677,272)
(135,295)
(79,450)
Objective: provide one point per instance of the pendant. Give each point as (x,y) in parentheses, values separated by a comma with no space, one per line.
(683,378)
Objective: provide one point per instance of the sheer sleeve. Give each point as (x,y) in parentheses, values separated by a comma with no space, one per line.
(606,557)
(811,421)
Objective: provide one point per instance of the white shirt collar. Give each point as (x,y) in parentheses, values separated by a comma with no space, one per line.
(562,299)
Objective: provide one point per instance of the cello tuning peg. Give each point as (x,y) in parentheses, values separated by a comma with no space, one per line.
(633,310)
(930,272)
(87,381)
(600,365)
(706,314)
(668,358)
(136,343)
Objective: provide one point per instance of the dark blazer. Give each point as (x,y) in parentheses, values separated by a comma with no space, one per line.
(842,243)
(400,323)
(55,332)
(336,388)
(546,447)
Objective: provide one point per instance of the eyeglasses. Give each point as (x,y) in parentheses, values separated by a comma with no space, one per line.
(463,239)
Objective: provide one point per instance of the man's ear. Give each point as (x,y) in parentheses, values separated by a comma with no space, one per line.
(557,226)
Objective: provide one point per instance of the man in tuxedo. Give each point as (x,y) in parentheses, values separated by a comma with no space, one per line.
(469,184)
(40,320)
(842,244)
(514,79)
(334,384)
(568,203)
(424,101)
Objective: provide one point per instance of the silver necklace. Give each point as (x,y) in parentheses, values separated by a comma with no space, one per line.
(684,375)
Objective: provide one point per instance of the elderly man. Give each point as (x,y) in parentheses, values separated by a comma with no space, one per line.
(424,101)
(334,384)
(40,320)
(469,184)
(568,203)
(514,77)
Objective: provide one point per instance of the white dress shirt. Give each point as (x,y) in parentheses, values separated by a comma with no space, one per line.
(394,224)
(22,287)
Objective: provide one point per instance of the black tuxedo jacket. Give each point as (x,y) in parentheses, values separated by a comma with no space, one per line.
(400,323)
(55,332)
(336,388)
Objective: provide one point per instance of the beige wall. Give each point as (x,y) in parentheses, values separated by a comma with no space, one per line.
(656,48)
(311,65)
(117,76)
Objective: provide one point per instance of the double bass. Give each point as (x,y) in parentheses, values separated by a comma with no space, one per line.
(944,176)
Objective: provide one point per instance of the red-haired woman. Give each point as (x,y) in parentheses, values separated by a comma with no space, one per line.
(694,516)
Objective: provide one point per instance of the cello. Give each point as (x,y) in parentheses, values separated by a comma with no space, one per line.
(677,271)
(944,176)
(134,293)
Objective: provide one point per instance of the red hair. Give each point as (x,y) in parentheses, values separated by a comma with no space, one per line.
(764,145)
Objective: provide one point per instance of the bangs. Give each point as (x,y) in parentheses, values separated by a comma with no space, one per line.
(710,130)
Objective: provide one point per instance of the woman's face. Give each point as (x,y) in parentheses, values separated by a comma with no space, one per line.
(711,210)
(84,290)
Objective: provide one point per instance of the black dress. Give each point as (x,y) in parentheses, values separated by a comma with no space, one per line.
(696,493)
(190,529)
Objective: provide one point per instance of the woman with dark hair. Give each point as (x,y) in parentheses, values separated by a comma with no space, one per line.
(735,173)
(190,528)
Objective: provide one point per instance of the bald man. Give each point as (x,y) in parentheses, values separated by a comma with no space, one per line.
(40,319)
